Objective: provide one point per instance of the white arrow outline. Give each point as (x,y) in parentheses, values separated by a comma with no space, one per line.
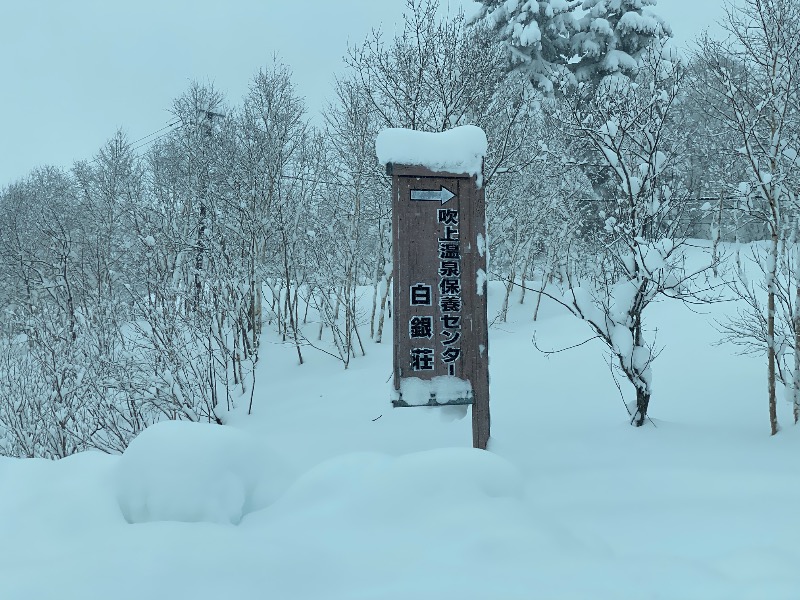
(442,195)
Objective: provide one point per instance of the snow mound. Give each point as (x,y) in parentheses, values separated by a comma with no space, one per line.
(41,498)
(191,472)
(458,150)
(450,473)
(374,486)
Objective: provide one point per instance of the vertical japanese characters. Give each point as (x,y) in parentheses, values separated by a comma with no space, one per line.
(443,348)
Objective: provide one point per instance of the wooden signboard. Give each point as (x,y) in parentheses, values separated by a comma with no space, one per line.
(439,297)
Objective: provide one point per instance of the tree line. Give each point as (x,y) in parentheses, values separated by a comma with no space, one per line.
(136,286)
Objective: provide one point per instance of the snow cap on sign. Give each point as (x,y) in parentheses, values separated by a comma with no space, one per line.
(458,150)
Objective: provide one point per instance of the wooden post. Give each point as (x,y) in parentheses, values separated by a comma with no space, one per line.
(440,291)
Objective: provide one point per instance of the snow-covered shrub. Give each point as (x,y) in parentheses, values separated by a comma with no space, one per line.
(182,471)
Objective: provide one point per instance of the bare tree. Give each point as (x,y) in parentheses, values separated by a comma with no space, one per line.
(751,81)
(625,123)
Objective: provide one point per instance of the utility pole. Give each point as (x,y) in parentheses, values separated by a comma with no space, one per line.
(205,121)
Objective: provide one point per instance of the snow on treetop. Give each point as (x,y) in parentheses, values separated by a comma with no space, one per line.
(458,150)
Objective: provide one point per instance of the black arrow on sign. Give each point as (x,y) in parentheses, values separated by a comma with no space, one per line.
(442,195)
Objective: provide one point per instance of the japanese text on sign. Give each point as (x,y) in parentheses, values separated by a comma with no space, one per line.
(450,303)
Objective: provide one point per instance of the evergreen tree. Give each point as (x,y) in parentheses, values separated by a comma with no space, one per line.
(538,35)
(612,37)
(561,41)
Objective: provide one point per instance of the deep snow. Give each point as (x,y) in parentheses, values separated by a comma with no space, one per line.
(457,150)
(328,492)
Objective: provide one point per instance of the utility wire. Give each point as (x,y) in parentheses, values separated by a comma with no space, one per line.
(136,148)
(143,142)
(167,126)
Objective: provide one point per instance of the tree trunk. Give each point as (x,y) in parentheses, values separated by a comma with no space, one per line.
(509,284)
(796,378)
(771,355)
(539,296)
(381,315)
(716,236)
(642,403)
(524,272)
(796,327)
(376,282)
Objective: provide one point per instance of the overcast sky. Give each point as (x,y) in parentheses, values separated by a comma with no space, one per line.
(74,71)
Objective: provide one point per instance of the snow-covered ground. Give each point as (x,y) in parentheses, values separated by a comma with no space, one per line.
(326,492)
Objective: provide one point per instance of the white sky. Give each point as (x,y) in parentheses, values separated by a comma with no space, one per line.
(73,71)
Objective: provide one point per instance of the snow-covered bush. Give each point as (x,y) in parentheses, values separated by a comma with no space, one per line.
(623,124)
(181,471)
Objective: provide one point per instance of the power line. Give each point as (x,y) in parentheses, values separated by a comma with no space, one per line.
(167,126)
(135,148)
(144,141)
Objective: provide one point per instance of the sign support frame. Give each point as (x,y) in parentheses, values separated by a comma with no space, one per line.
(411,213)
